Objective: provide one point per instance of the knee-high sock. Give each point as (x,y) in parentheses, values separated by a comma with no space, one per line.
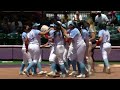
(39,66)
(69,62)
(53,66)
(57,67)
(82,67)
(32,69)
(73,65)
(35,68)
(28,70)
(22,67)
(106,62)
(79,71)
(32,64)
(62,67)
(66,65)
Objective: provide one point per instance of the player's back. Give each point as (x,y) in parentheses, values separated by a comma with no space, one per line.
(105,35)
(34,36)
(77,40)
(85,35)
(57,36)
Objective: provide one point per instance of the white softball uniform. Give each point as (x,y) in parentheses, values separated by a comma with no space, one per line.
(65,51)
(52,55)
(34,44)
(79,46)
(85,36)
(58,47)
(65,55)
(105,45)
(40,58)
(26,56)
(70,54)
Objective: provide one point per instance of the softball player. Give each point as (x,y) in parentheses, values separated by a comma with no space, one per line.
(70,55)
(57,52)
(26,56)
(43,29)
(105,46)
(32,44)
(39,66)
(79,47)
(85,36)
(65,58)
(51,43)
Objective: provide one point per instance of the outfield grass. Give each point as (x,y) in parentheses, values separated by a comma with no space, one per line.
(17,62)
(43,62)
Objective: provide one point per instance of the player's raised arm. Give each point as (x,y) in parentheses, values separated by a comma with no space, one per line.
(43,33)
(65,32)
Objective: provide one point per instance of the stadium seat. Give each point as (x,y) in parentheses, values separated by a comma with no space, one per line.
(109,28)
(97,28)
(1,31)
(114,37)
(2,39)
(113,31)
(19,39)
(118,36)
(13,39)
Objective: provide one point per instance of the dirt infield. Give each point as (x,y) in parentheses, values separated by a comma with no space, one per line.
(12,72)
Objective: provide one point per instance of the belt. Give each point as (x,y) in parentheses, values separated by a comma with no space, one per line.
(34,43)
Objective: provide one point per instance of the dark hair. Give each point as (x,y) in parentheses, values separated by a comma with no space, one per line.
(84,24)
(24,27)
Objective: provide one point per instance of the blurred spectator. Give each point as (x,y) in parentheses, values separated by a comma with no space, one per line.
(55,18)
(5,25)
(65,18)
(112,18)
(93,15)
(118,17)
(44,20)
(118,30)
(77,17)
(100,18)
(16,25)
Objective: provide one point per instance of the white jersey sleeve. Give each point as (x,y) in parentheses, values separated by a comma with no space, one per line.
(73,33)
(24,35)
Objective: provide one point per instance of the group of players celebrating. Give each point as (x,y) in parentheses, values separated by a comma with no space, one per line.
(72,46)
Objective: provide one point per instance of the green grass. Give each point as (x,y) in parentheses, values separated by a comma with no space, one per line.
(10,63)
(18,62)
(111,62)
